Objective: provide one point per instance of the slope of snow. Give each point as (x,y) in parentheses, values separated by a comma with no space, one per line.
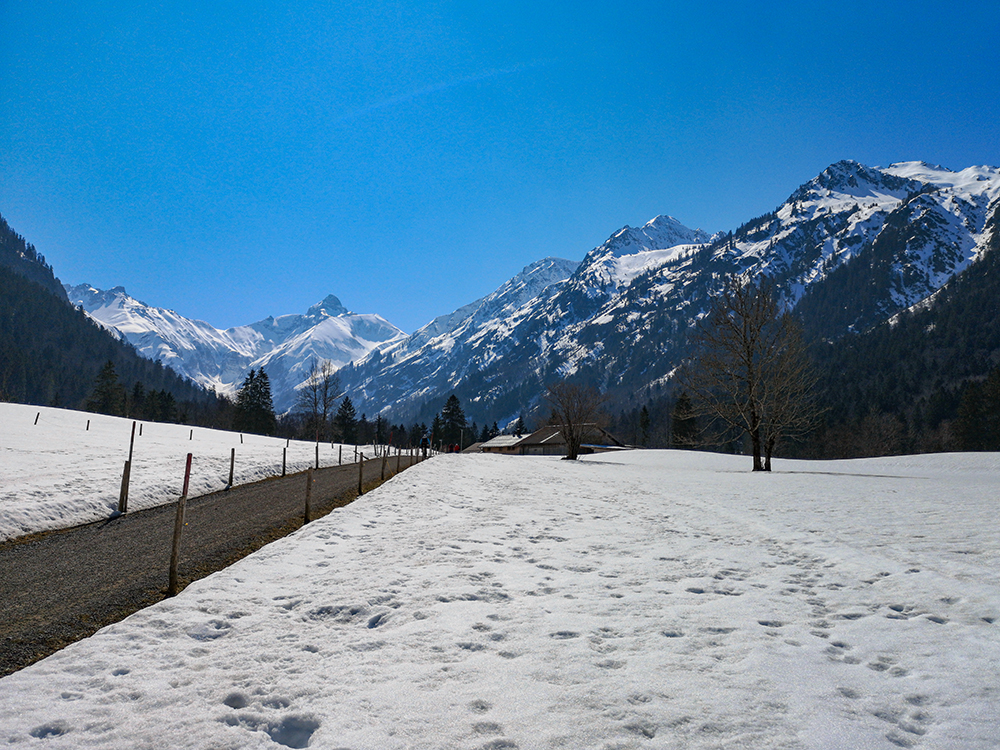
(966,181)
(641,600)
(629,252)
(58,473)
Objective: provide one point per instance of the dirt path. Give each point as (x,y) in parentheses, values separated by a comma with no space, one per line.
(59,587)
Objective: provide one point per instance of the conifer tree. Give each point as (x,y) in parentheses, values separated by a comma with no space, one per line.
(108,396)
(137,401)
(265,404)
(366,433)
(519,427)
(684,424)
(437,430)
(254,411)
(978,423)
(452,421)
(345,422)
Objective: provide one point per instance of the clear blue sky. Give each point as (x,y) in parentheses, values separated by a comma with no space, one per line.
(241,158)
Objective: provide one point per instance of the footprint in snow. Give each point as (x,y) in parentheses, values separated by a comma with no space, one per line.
(52,729)
(291,731)
(210,630)
(487,727)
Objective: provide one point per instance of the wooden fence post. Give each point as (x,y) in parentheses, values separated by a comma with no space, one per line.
(340,456)
(123,492)
(88,425)
(284,460)
(175,551)
(309,489)
(383,468)
(131,443)
(126,475)
(232,465)
(37,416)
(317,455)
(361,474)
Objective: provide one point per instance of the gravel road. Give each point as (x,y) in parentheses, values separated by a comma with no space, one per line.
(59,587)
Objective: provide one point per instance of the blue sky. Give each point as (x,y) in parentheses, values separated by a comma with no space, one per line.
(238,159)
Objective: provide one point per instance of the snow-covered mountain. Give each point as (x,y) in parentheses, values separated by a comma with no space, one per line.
(849,249)
(219,359)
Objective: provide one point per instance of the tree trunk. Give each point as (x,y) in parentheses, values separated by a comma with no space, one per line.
(755,442)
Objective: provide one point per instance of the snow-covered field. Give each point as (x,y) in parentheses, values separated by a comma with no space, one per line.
(57,473)
(636,600)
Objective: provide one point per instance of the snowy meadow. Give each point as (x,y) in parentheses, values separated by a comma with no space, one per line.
(61,467)
(648,599)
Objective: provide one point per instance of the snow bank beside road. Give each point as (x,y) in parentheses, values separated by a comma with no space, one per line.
(638,600)
(56,473)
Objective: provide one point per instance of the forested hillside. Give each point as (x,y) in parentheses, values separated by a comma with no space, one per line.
(926,380)
(901,386)
(20,256)
(51,353)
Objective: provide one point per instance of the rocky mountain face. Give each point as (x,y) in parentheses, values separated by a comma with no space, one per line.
(847,250)
(220,359)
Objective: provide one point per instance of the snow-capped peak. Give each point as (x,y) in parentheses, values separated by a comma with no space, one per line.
(850,181)
(632,251)
(330,306)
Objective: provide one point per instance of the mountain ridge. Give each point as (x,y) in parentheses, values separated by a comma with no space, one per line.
(846,250)
(623,326)
(219,359)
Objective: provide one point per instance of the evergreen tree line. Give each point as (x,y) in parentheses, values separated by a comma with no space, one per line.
(110,396)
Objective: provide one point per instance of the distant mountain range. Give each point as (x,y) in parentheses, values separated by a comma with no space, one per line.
(220,359)
(848,250)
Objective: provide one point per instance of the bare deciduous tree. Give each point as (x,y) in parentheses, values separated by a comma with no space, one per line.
(750,372)
(576,409)
(318,394)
